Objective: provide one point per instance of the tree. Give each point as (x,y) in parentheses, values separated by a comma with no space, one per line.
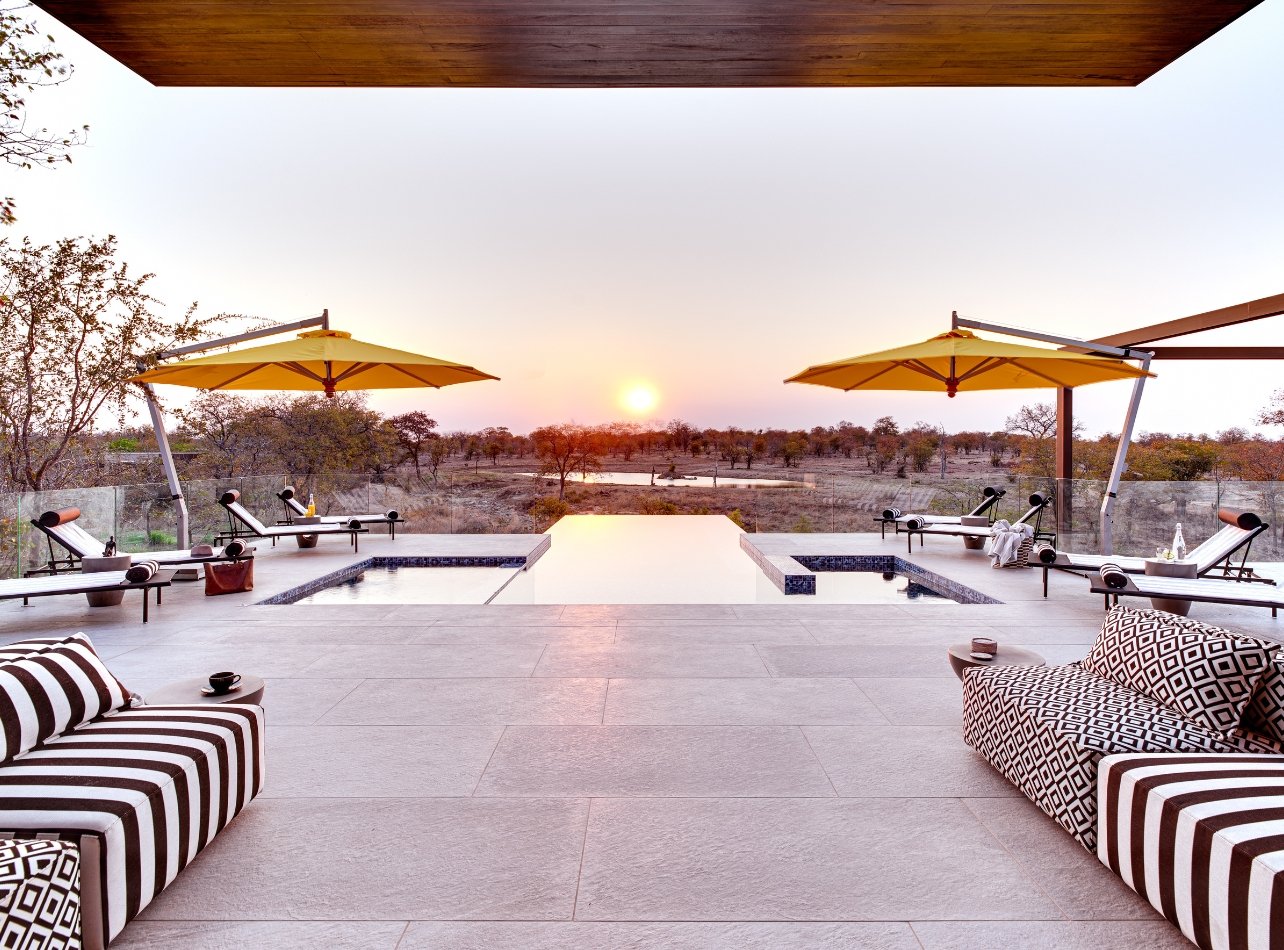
(321,435)
(28,62)
(414,430)
(564,449)
(1037,425)
(72,331)
(1273,415)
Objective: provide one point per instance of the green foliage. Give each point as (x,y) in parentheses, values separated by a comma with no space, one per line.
(803,525)
(650,505)
(546,511)
(123,444)
(737,519)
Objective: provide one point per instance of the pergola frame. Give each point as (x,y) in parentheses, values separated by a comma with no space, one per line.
(1247,312)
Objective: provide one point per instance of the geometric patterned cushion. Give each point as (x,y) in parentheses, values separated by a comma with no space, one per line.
(1045,729)
(1265,714)
(1205,673)
(39,895)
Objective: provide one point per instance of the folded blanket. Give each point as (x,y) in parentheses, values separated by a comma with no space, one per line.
(1004,547)
(202,550)
(141,572)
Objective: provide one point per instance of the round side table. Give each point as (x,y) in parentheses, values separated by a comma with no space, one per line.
(188,693)
(1156,567)
(961,658)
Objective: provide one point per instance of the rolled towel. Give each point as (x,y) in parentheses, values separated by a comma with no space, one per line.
(229,497)
(51,519)
(1114,576)
(891,514)
(202,550)
(1039,499)
(393,514)
(1045,553)
(235,548)
(915,522)
(286,493)
(990,491)
(141,571)
(1241,519)
(354,524)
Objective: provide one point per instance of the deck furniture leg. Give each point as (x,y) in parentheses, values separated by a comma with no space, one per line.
(1045,582)
(144,605)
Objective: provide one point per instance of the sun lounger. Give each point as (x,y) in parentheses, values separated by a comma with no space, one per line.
(104,582)
(239,517)
(295,509)
(917,525)
(1113,582)
(60,525)
(1239,528)
(989,499)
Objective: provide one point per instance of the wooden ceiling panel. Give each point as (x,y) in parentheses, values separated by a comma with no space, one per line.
(578,43)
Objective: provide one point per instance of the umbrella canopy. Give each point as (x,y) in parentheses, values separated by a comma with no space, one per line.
(319,359)
(961,360)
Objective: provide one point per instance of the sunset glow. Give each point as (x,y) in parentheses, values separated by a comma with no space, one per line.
(639,398)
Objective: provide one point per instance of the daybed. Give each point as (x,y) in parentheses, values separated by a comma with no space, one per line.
(138,790)
(296,509)
(25,588)
(1113,582)
(1156,692)
(61,525)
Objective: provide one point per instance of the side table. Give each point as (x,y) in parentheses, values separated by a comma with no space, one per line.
(961,658)
(188,693)
(1157,567)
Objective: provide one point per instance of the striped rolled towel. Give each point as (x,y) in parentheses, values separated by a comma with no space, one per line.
(1114,577)
(1045,553)
(236,548)
(393,514)
(915,522)
(891,514)
(141,571)
(354,524)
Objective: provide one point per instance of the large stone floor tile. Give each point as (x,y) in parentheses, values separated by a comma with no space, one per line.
(319,615)
(358,761)
(739,701)
(641,761)
(423,661)
(507,615)
(1050,935)
(712,633)
(903,762)
(661,659)
(295,702)
(646,613)
(365,632)
(385,859)
(916,701)
(806,613)
(1080,884)
(515,700)
(496,633)
(265,934)
(862,660)
(145,668)
(933,634)
(798,859)
(588,935)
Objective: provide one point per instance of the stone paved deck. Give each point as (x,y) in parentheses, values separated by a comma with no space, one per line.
(538,777)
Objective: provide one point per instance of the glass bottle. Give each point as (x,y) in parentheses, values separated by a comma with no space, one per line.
(1179,544)
(312,507)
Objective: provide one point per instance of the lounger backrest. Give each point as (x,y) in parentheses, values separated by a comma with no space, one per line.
(1037,504)
(293,504)
(992,496)
(1221,546)
(77,540)
(242,514)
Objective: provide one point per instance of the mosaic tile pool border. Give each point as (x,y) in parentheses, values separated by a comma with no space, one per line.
(937,583)
(514,561)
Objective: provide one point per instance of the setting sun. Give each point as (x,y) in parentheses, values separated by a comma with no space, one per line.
(639,398)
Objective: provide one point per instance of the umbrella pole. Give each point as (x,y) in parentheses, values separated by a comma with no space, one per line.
(167,462)
(1121,463)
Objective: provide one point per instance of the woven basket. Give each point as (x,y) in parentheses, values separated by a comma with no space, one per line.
(1023,554)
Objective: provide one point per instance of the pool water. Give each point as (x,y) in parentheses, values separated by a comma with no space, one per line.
(622,559)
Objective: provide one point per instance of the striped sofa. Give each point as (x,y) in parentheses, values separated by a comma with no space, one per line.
(1202,838)
(139,790)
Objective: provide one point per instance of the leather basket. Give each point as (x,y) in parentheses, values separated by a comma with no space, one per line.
(234,578)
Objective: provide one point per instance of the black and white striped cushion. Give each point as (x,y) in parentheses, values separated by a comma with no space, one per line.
(1202,838)
(21,649)
(153,784)
(47,693)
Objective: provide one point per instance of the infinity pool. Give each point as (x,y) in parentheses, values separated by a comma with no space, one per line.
(622,559)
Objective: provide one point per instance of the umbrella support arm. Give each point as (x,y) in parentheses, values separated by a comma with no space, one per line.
(167,462)
(1121,464)
(158,420)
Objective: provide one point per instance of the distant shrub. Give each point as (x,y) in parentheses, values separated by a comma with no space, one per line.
(658,506)
(123,444)
(545,511)
(737,519)
(803,525)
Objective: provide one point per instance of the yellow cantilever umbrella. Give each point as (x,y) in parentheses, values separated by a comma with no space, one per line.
(960,360)
(330,360)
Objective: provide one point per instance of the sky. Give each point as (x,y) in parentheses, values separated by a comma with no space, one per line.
(706,243)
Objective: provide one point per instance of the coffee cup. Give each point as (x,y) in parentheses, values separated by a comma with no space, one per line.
(223,682)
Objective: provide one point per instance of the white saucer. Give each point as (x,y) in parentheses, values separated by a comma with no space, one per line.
(209,690)
(982,656)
